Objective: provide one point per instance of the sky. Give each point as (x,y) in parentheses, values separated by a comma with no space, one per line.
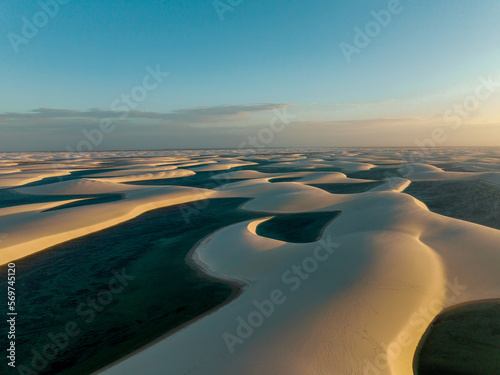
(103,75)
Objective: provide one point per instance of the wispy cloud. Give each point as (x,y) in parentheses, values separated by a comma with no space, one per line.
(358,105)
(197,115)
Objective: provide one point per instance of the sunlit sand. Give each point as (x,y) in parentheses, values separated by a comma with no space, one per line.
(363,294)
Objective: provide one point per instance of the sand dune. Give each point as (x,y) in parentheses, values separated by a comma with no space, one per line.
(248,174)
(22,178)
(33,230)
(150,176)
(364,293)
(425,172)
(220,166)
(80,186)
(330,178)
(343,318)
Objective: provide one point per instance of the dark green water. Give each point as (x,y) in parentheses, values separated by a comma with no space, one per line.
(376,173)
(450,167)
(58,285)
(199,180)
(464,340)
(298,228)
(205,180)
(165,292)
(284,179)
(474,201)
(102,198)
(348,188)
(10,198)
(294,168)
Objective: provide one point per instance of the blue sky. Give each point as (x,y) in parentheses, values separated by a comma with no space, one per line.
(284,54)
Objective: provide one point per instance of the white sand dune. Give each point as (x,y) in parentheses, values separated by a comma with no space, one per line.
(285,197)
(33,230)
(148,176)
(9,170)
(79,187)
(304,164)
(330,178)
(356,306)
(305,177)
(393,184)
(221,166)
(130,170)
(250,174)
(26,177)
(365,293)
(292,158)
(425,172)
(32,207)
(352,166)
(323,163)
(193,163)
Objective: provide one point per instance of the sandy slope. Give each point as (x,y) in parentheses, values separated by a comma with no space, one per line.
(150,176)
(363,310)
(25,177)
(365,292)
(31,230)
(425,172)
